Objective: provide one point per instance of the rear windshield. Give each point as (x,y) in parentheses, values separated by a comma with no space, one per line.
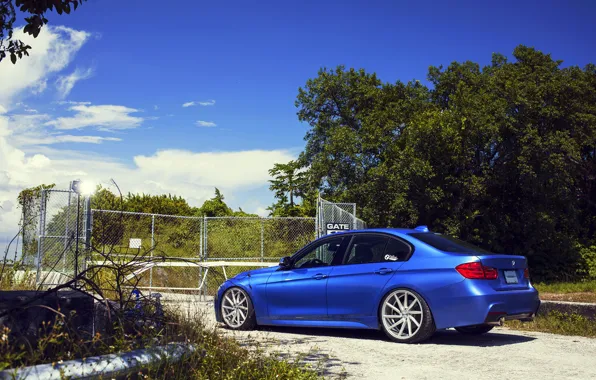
(447,243)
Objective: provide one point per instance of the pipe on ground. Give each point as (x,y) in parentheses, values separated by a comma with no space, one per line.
(104,366)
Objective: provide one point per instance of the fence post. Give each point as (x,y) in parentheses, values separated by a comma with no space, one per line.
(88,227)
(262,239)
(203,291)
(66,234)
(152,248)
(200,240)
(42,211)
(317,220)
(201,256)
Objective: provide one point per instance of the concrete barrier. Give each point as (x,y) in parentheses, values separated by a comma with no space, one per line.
(587,310)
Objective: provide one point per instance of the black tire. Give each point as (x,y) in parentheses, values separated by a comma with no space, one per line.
(250,321)
(475,329)
(427,324)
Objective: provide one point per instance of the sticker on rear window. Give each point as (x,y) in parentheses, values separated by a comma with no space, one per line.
(390,258)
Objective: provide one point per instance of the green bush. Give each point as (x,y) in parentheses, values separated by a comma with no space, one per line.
(588,255)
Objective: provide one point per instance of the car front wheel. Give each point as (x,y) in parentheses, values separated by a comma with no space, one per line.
(406,317)
(237,310)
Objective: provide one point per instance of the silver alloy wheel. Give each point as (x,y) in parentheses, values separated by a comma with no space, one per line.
(234,307)
(402,314)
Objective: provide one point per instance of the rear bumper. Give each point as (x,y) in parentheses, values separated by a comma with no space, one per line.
(473,303)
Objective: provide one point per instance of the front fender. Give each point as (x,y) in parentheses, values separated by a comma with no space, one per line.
(243,283)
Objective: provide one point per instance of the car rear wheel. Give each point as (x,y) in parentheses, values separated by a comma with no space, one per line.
(474,330)
(405,317)
(237,310)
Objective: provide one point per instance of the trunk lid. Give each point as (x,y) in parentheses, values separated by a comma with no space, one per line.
(511,271)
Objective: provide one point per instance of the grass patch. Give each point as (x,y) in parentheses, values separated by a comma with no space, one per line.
(567,287)
(558,323)
(568,291)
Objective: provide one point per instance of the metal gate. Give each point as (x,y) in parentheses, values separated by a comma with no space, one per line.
(336,217)
(71,234)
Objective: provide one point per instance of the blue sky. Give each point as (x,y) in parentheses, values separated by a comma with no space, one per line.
(251,57)
(138,61)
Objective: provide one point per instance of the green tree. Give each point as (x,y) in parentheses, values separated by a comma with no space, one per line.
(502,155)
(291,181)
(157,204)
(29,201)
(36,10)
(215,206)
(288,180)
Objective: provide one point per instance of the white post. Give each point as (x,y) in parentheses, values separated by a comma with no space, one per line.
(66,233)
(152,248)
(42,211)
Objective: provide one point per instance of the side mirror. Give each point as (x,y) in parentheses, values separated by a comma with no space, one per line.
(285,262)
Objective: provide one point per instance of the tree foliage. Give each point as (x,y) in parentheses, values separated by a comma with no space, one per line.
(502,155)
(29,201)
(36,11)
(290,182)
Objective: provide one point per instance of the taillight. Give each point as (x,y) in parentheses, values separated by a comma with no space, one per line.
(477,271)
(527,273)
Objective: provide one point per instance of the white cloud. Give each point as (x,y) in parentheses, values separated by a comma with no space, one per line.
(62,138)
(225,169)
(51,52)
(28,130)
(155,108)
(202,123)
(65,83)
(72,103)
(262,211)
(104,117)
(198,103)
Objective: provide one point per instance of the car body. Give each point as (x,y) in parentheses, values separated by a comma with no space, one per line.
(345,280)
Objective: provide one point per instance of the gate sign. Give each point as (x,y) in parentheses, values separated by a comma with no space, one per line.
(333,228)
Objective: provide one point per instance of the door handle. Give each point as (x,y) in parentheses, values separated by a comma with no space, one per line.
(319,276)
(384,271)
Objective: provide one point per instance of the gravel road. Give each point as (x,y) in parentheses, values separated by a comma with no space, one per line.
(501,354)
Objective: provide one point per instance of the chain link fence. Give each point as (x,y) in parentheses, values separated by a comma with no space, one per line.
(175,242)
(170,253)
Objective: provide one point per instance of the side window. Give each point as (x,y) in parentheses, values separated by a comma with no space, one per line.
(396,250)
(366,249)
(321,255)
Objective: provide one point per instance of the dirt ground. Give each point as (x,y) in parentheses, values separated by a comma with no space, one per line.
(501,354)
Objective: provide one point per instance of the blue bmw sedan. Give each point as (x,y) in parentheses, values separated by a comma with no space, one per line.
(406,282)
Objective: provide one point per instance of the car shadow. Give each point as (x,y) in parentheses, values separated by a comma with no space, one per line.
(491,339)
(441,337)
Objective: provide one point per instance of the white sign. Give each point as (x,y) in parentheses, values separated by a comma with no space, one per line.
(333,228)
(134,243)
